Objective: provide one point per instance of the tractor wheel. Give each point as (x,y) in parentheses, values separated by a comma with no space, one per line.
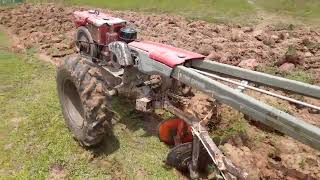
(83,35)
(180,156)
(86,107)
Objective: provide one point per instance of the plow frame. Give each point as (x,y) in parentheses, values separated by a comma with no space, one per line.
(268,115)
(196,74)
(128,67)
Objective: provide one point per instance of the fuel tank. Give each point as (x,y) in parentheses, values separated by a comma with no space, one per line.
(166,54)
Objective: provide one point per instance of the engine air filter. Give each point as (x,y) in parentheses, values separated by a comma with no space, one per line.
(128,34)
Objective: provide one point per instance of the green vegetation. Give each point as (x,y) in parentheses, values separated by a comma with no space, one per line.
(301,75)
(4,40)
(302,164)
(283,26)
(268,69)
(297,74)
(35,143)
(277,104)
(299,8)
(164,114)
(233,124)
(10,2)
(236,11)
(261,136)
(217,10)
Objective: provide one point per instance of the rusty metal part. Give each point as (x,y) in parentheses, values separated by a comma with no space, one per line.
(155,81)
(144,104)
(224,165)
(193,166)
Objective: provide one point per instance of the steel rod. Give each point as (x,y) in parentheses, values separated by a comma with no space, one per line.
(257,89)
(273,117)
(258,77)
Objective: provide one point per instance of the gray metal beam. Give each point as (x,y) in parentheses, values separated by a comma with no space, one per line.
(292,126)
(274,81)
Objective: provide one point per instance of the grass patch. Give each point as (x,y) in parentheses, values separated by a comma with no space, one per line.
(232,124)
(4,40)
(297,74)
(278,105)
(301,75)
(268,69)
(34,137)
(213,11)
(283,26)
(241,12)
(137,138)
(309,9)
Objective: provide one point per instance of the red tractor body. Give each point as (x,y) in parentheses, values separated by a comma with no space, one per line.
(103,27)
(168,55)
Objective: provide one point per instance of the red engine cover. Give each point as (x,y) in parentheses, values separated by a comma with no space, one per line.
(96,18)
(169,55)
(103,27)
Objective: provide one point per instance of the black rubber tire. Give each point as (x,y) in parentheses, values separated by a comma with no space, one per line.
(85,104)
(83,32)
(181,155)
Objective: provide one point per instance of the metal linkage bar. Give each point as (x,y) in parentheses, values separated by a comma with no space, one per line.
(257,89)
(292,126)
(215,153)
(223,164)
(266,79)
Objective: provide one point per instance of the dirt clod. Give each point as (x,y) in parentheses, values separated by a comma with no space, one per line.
(204,108)
(286,67)
(247,29)
(214,56)
(258,35)
(251,64)
(57,172)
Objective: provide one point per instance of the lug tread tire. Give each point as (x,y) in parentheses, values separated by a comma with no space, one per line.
(96,104)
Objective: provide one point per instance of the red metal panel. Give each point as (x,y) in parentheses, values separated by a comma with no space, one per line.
(169,55)
(96,18)
(103,33)
(104,27)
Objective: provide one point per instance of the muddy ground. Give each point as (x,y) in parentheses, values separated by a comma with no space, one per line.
(262,152)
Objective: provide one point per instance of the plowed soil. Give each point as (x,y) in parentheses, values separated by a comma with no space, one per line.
(263,153)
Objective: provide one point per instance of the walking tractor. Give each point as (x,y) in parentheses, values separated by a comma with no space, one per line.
(112,62)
